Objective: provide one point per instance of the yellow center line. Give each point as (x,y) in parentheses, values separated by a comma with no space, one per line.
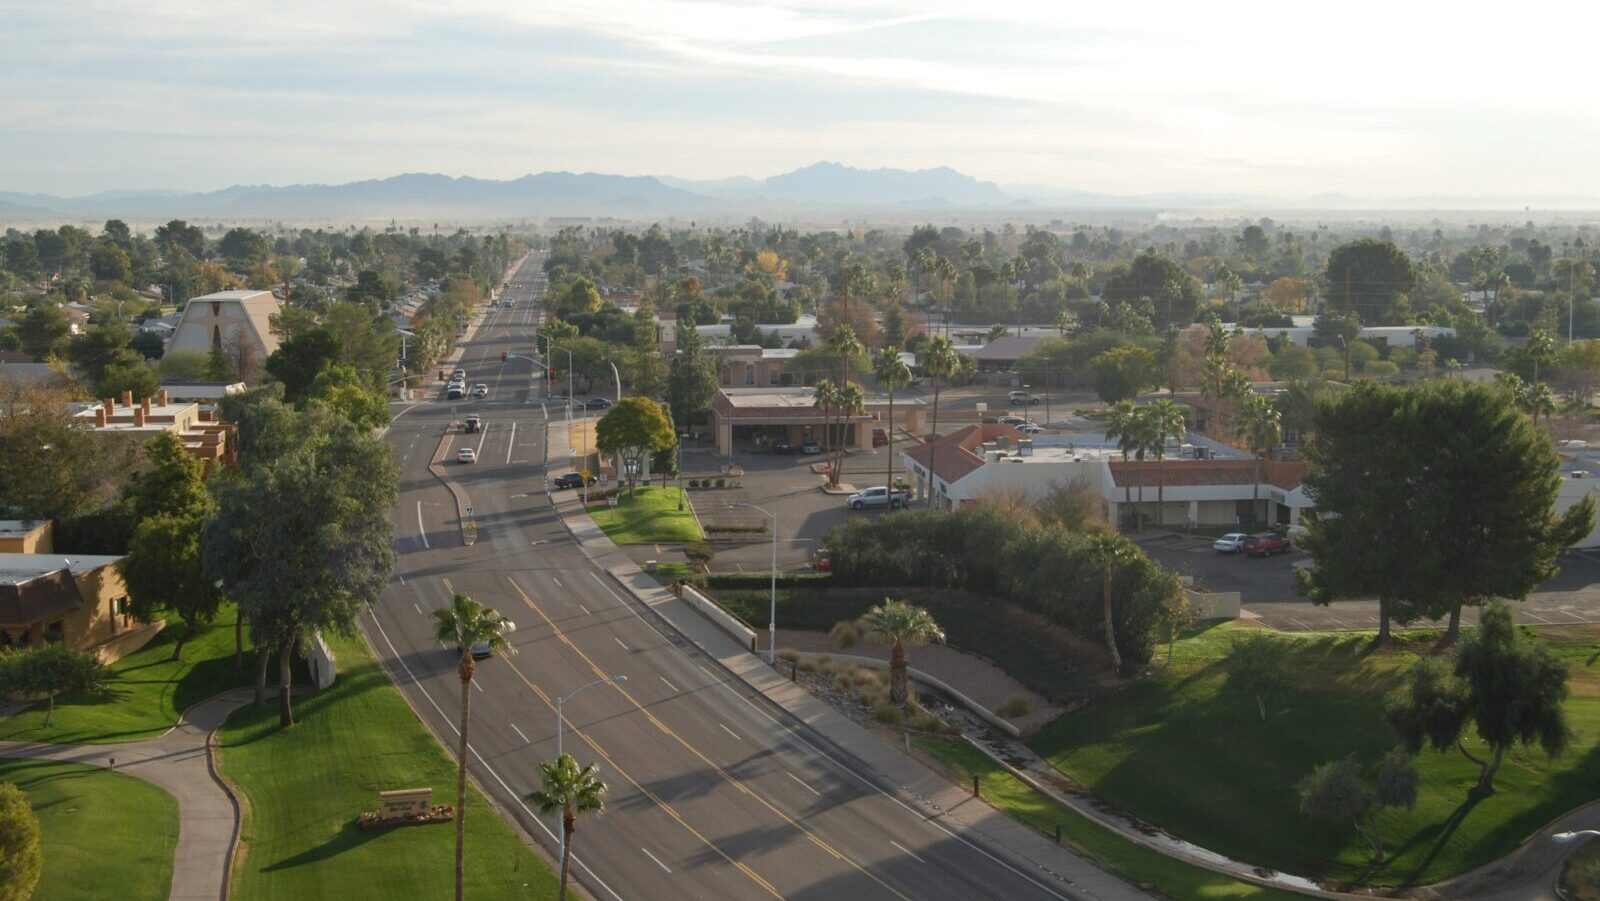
(813,837)
(743,868)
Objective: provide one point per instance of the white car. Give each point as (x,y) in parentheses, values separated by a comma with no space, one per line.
(1231,543)
(466,455)
(480,390)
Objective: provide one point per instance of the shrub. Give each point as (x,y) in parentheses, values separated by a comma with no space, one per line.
(789,655)
(694,483)
(699,553)
(1014,708)
(21,861)
(843,683)
(721,482)
(887,715)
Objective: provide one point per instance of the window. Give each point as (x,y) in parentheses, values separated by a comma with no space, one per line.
(749,375)
(772,376)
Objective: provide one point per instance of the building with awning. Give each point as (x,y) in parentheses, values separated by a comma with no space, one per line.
(749,417)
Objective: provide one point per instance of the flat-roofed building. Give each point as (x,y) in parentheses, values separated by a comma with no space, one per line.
(201,432)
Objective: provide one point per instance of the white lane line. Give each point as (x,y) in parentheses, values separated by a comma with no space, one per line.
(584,609)
(422,531)
(557,581)
(402,580)
(515,796)
(669,684)
(482,438)
(511,443)
(619,641)
(519,733)
(730,732)
(417,608)
(907,850)
(1537,618)
(804,784)
(653,857)
(476,685)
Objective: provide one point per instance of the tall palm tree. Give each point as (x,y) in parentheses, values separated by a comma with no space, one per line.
(824,397)
(851,403)
(574,792)
(892,373)
(467,623)
(1260,427)
(1164,419)
(843,344)
(1123,426)
(940,360)
(897,624)
(1108,549)
(1541,348)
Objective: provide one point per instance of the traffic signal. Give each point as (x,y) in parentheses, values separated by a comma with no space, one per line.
(502,356)
(552,374)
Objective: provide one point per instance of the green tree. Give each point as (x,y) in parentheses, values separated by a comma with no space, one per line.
(49,467)
(1541,349)
(164,570)
(1509,685)
(1125,426)
(299,360)
(938,360)
(845,347)
(50,670)
(634,429)
(1336,791)
(574,792)
(21,861)
(244,248)
(43,332)
(1122,372)
(1108,551)
(692,378)
(892,374)
(1173,294)
(1372,278)
(1258,667)
(897,624)
(1163,419)
(341,390)
(173,483)
(468,625)
(1260,427)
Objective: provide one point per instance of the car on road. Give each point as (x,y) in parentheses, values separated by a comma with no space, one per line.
(460,375)
(783,446)
(483,650)
(810,446)
(1013,421)
(454,392)
(879,437)
(480,390)
(466,455)
(877,497)
(473,424)
(1266,544)
(1231,543)
(1022,397)
(573,480)
(597,403)
(1029,428)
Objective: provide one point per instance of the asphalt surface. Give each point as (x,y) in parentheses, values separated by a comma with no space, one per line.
(713,794)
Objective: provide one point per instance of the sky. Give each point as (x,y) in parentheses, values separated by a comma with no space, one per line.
(1369,100)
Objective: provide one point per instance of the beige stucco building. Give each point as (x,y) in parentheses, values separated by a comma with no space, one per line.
(236,322)
(78,599)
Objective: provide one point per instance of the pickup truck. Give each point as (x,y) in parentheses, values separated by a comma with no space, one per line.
(877,497)
(1266,544)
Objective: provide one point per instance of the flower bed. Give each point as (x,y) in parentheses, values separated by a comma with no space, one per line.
(371,821)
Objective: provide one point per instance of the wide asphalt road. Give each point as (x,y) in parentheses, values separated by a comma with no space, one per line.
(713,793)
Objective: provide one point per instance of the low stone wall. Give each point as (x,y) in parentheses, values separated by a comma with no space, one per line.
(722,618)
(1208,605)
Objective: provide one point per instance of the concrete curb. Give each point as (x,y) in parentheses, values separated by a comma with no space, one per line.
(436,467)
(937,684)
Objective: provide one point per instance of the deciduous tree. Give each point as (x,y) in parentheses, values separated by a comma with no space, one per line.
(633,430)
(21,861)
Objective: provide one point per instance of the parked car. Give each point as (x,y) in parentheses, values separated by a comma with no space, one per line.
(1022,397)
(782,446)
(1014,421)
(480,390)
(1029,428)
(466,455)
(474,423)
(597,403)
(877,497)
(573,480)
(1265,544)
(1231,543)
(821,560)
(879,437)
(810,446)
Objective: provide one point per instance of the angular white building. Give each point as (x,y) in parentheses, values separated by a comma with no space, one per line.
(236,322)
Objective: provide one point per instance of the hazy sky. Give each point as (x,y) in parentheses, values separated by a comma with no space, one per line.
(1387,99)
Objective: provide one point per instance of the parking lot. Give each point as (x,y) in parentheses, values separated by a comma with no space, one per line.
(1266,587)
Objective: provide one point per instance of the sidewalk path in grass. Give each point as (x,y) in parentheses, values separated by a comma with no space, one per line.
(178,761)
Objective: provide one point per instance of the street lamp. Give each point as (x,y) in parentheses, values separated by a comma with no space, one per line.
(1567,838)
(772,614)
(560,717)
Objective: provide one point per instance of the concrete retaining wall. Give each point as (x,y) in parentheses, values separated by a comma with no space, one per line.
(722,618)
(917,675)
(1213,604)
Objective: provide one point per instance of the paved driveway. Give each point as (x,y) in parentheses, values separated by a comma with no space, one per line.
(1266,587)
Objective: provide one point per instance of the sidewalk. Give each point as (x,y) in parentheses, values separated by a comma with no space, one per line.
(931,794)
(179,762)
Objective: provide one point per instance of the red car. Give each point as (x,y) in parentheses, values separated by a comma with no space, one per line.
(879,437)
(1266,544)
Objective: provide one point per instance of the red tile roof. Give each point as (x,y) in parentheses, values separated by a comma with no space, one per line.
(957,457)
(1281,474)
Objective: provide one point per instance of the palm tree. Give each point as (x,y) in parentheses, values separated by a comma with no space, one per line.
(1260,426)
(1163,419)
(825,396)
(850,403)
(891,372)
(1109,549)
(574,792)
(843,344)
(940,360)
(468,623)
(1541,348)
(1124,427)
(897,624)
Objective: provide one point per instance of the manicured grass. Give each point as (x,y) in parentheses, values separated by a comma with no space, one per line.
(147,694)
(103,835)
(650,516)
(1135,863)
(304,787)
(1182,753)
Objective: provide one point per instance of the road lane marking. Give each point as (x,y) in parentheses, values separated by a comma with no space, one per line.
(669,684)
(476,685)
(803,784)
(913,854)
(519,733)
(727,777)
(448,587)
(422,530)
(510,443)
(653,857)
(402,580)
(731,732)
(619,642)
(482,438)
(557,581)
(450,724)
(418,608)
(584,609)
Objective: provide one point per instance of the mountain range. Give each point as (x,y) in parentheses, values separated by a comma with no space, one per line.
(824,188)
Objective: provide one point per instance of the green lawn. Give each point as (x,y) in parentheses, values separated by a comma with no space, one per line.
(1178,751)
(304,787)
(104,835)
(649,517)
(1173,879)
(147,693)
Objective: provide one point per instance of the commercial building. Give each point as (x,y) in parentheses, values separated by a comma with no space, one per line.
(746,416)
(237,323)
(202,433)
(79,600)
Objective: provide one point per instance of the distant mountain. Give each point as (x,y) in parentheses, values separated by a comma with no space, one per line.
(13,211)
(834,184)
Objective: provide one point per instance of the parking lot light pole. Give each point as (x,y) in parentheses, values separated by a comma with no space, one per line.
(772,614)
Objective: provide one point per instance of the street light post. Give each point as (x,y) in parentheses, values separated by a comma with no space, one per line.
(772,613)
(561,703)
